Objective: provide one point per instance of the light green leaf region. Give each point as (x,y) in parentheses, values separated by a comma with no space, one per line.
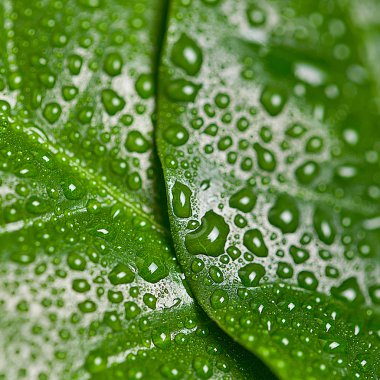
(89,284)
(269,137)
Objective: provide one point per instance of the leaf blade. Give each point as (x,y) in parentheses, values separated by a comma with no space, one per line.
(267,172)
(89,284)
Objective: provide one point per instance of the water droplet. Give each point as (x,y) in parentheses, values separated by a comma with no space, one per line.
(256,16)
(87,306)
(121,274)
(181,204)
(265,158)
(187,55)
(113,103)
(113,64)
(299,255)
(323,226)
(210,238)
(251,274)
(23,258)
(152,269)
(197,265)
(115,296)
(72,189)
(219,299)
(36,205)
(314,145)
(273,99)
(222,100)
(224,143)
(96,362)
(150,300)
(145,86)
(176,135)
(161,339)
(253,240)
(74,63)
(216,274)
(284,270)
(81,285)
(136,142)
(52,112)
(202,366)
(132,310)
(307,280)
(181,90)
(69,92)
(296,130)
(284,214)
(243,200)
(134,181)
(307,172)
(76,261)
(349,292)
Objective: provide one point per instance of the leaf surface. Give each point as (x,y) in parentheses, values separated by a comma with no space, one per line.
(268,135)
(89,284)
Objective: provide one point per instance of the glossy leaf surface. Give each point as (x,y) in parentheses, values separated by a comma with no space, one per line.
(89,285)
(269,139)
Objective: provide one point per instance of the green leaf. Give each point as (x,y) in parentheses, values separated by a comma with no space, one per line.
(270,147)
(89,285)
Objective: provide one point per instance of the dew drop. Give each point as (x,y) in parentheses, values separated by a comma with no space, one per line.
(113,64)
(253,240)
(210,238)
(187,55)
(251,274)
(181,204)
(284,214)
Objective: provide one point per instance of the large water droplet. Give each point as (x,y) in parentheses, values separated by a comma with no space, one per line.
(145,86)
(251,274)
(121,274)
(210,238)
(299,255)
(187,55)
(136,142)
(219,299)
(265,158)
(253,240)
(349,292)
(243,200)
(181,200)
(273,99)
(284,214)
(113,103)
(181,90)
(323,226)
(113,64)
(176,135)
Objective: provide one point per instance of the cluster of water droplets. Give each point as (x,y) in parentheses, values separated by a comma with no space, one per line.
(89,283)
(90,88)
(271,157)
